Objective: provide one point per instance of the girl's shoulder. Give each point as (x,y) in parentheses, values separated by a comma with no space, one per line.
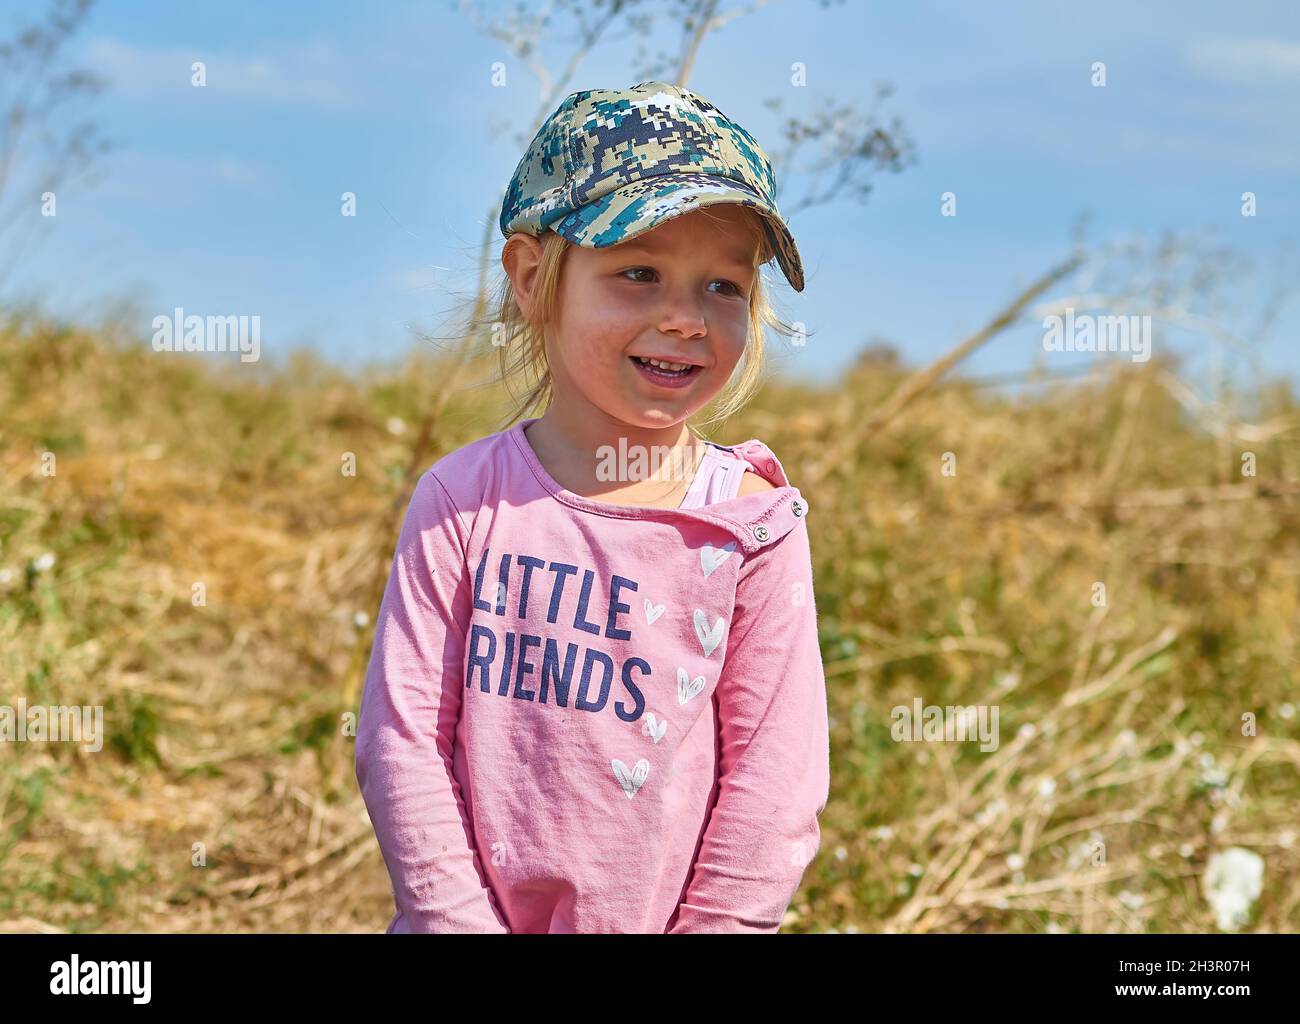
(768,473)
(464,472)
(499,470)
(752,483)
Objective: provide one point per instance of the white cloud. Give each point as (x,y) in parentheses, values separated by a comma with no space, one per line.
(311,75)
(1262,62)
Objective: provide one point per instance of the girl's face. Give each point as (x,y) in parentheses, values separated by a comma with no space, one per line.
(678,293)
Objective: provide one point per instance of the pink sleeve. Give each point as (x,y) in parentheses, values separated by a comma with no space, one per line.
(407,726)
(774,763)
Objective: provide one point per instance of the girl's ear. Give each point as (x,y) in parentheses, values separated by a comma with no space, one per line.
(520,258)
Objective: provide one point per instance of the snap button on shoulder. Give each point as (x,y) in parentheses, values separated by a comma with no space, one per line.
(771,466)
(760,532)
(796,507)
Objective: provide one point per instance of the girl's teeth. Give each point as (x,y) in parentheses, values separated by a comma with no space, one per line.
(673,367)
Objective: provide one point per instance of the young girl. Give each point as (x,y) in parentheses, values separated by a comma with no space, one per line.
(596,700)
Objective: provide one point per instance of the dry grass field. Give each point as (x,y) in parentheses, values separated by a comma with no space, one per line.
(224,797)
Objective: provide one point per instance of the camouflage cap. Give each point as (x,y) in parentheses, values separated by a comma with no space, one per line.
(611,164)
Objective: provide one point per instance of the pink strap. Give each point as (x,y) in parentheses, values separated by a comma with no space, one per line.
(717,478)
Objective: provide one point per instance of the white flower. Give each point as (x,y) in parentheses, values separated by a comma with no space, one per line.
(361,620)
(1214,777)
(1027,731)
(1015,862)
(6,577)
(990,811)
(915,870)
(1132,900)
(841,853)
(1233,881)
(44,563)
(396,424)
(1186,850)
(1046,786)
(883,832)
(1287,710)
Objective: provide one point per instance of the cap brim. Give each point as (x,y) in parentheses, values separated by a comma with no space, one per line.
(643,205)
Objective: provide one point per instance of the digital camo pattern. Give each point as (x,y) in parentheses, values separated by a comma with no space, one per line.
(610,164)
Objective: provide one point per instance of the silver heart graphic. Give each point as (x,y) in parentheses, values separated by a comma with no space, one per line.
(652,612)
(711,557)
(631,780)
(709,638)
(686,686)
(653,728)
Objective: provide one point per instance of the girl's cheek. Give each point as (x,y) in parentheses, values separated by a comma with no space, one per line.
(730,330)
(613,324)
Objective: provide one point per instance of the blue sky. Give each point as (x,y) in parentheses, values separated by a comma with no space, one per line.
(226,199)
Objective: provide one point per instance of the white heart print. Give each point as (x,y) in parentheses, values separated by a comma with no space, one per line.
(631,780)
(709,638)
(711,557)
(654,728)
(686,686)
(652,612)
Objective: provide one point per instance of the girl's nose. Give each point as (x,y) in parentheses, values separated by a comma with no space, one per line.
(683,316)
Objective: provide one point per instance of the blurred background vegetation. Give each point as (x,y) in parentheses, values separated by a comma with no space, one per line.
(1121,724)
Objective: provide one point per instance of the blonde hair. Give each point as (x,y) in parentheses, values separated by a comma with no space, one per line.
(522,348)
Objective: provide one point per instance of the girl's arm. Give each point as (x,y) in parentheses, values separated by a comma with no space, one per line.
(407,725)
(774,762)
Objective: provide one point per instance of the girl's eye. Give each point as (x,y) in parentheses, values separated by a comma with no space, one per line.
(735,288)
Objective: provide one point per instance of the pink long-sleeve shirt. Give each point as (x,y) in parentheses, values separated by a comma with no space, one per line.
(588,717)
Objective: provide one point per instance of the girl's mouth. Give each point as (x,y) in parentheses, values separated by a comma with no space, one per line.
(665,378)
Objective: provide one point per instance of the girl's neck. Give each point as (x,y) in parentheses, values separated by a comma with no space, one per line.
(583,437)
(579,459)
